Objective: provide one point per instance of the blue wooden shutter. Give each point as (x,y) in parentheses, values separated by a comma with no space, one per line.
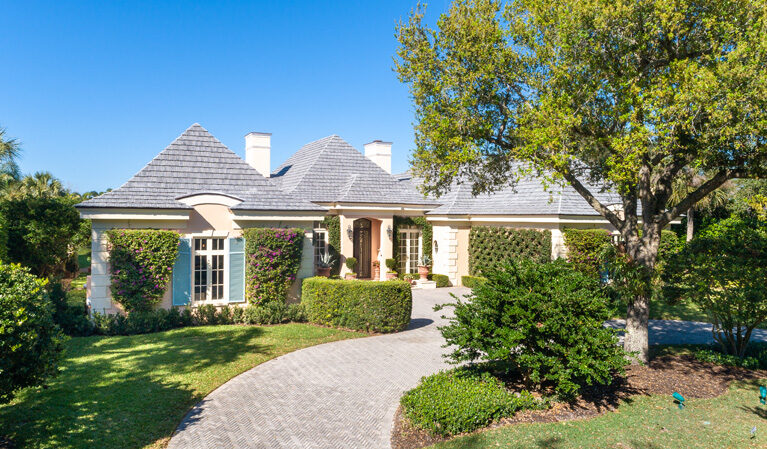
(237,270)
(182,273)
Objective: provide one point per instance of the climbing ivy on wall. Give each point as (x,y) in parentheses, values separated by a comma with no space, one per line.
(272,258)
(141,263)
(585,248)
(333,224)
(419,222)
(490,246)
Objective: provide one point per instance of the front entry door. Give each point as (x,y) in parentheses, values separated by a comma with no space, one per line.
(362,247)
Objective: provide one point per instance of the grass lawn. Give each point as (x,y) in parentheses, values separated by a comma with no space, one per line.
(647,422)
(132,392)
(686,311)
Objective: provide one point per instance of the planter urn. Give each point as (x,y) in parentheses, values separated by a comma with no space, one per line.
(391,275)
(423,272)
(350,276)
(323,271)
(376,273)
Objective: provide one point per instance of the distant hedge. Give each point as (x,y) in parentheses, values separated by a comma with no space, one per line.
(441,279)
(361,305)
(472,281)
(490,246)
(585,247)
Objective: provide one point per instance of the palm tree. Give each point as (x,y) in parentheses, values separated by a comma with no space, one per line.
(9,153)
(687,182)
(41,185)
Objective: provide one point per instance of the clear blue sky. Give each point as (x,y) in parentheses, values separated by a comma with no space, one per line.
(93,90)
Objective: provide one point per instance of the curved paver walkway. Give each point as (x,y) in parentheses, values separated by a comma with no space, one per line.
(344,394)
(336,395)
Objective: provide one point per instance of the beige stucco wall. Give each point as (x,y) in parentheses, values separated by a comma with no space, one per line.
(204,218)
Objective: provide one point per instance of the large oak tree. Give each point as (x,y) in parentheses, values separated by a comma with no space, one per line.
(624,94)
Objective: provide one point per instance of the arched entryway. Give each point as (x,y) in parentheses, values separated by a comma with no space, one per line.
(362,247)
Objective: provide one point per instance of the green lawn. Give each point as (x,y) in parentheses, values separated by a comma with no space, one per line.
(686,311)
(647,422)
(131,392)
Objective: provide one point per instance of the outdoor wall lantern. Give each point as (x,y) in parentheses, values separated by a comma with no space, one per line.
(679,399)
(763,395)
(389,231)
(350,232)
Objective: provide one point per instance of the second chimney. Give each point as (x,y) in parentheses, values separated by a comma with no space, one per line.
(258,152)
(380,153)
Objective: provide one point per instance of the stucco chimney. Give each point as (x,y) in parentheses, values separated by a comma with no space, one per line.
(258,152)
(380,153)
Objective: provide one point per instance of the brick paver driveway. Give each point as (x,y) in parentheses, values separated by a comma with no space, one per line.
(336,395)
(344,394)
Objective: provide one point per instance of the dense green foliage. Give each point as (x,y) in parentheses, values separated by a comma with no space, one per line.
(492,246)
(333,224)
(723,269)
(585,248)
(42,232)
(272,258)
(30,342)
(621,93)
(757,361)
(543,321)
(462,400)
(71,318)
(421,223)
(141,263)
(391,265)
(351,263)
(441,279)
(360,305)
(472,281)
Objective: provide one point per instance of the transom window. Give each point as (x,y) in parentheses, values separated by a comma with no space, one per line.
(319,240)
(409,250)
(208,269)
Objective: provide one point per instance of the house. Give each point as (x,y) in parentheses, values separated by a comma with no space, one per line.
(209,194)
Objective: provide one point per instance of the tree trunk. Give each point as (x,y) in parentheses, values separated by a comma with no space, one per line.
(690,223)
(643,252)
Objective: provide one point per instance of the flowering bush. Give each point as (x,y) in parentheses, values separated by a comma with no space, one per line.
(141,263)
(272,257)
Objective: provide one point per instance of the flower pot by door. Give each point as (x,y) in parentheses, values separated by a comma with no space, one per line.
(423,272)
(324,272)
(390,276)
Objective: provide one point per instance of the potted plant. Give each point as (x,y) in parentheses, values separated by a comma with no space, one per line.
(423,267)
(376,270)
(351,262)
(409,278)
(325,264)
(391,264)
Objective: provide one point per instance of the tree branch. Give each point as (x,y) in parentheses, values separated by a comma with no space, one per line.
(611,216)
(707,187)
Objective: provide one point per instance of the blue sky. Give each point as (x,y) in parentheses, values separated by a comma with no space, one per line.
(94,90)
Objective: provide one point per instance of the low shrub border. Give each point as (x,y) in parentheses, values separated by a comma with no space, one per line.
(360,305)
(462,400)
(441,280)
(472,281)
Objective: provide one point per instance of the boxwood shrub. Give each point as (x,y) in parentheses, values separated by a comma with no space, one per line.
(441,280)
(462,400)
(472,281)
(492,246)
(360,305)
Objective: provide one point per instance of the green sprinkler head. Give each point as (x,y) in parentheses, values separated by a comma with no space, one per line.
(763,395)
(679,399)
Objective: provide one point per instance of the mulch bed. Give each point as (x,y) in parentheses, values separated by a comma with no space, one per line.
(663,375)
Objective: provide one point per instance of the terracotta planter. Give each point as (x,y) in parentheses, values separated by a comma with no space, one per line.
(423,271)
(376,273)
(350,276)
(390,276)
(324,272)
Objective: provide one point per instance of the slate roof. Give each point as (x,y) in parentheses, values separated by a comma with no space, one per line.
(527,197)
(330,170)
(196,162)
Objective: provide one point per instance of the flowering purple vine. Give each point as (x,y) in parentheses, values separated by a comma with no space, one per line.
(273,259)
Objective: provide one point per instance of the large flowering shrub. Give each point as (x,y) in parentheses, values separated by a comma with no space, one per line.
(141,263)
(272,257)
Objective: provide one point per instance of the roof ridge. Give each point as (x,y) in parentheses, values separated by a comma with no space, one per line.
(327,139)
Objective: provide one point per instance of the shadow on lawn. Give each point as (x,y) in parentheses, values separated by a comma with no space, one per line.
(112,394)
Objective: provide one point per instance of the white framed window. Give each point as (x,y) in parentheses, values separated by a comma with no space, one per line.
(208,260)
(409,249)
(319,240)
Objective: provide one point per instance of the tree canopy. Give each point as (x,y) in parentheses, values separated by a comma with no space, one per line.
(622,94)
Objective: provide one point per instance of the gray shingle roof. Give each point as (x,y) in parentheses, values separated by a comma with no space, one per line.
(196,162)
(527,197)
(330,170)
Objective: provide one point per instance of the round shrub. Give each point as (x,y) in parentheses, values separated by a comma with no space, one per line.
(360,305)
(441,280)
(141,262)
(351,263)
(542,321)
(272,258)
(461,400)
(30,342)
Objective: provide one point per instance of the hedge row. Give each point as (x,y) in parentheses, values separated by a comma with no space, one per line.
(360,305)
(491,246)
(472,281)
(585,248)
(441,280)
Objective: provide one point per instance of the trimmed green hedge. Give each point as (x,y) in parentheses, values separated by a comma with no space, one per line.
(491,246)
(472,281)
(441,280)
(462,400)
(585,248)
(361,305)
